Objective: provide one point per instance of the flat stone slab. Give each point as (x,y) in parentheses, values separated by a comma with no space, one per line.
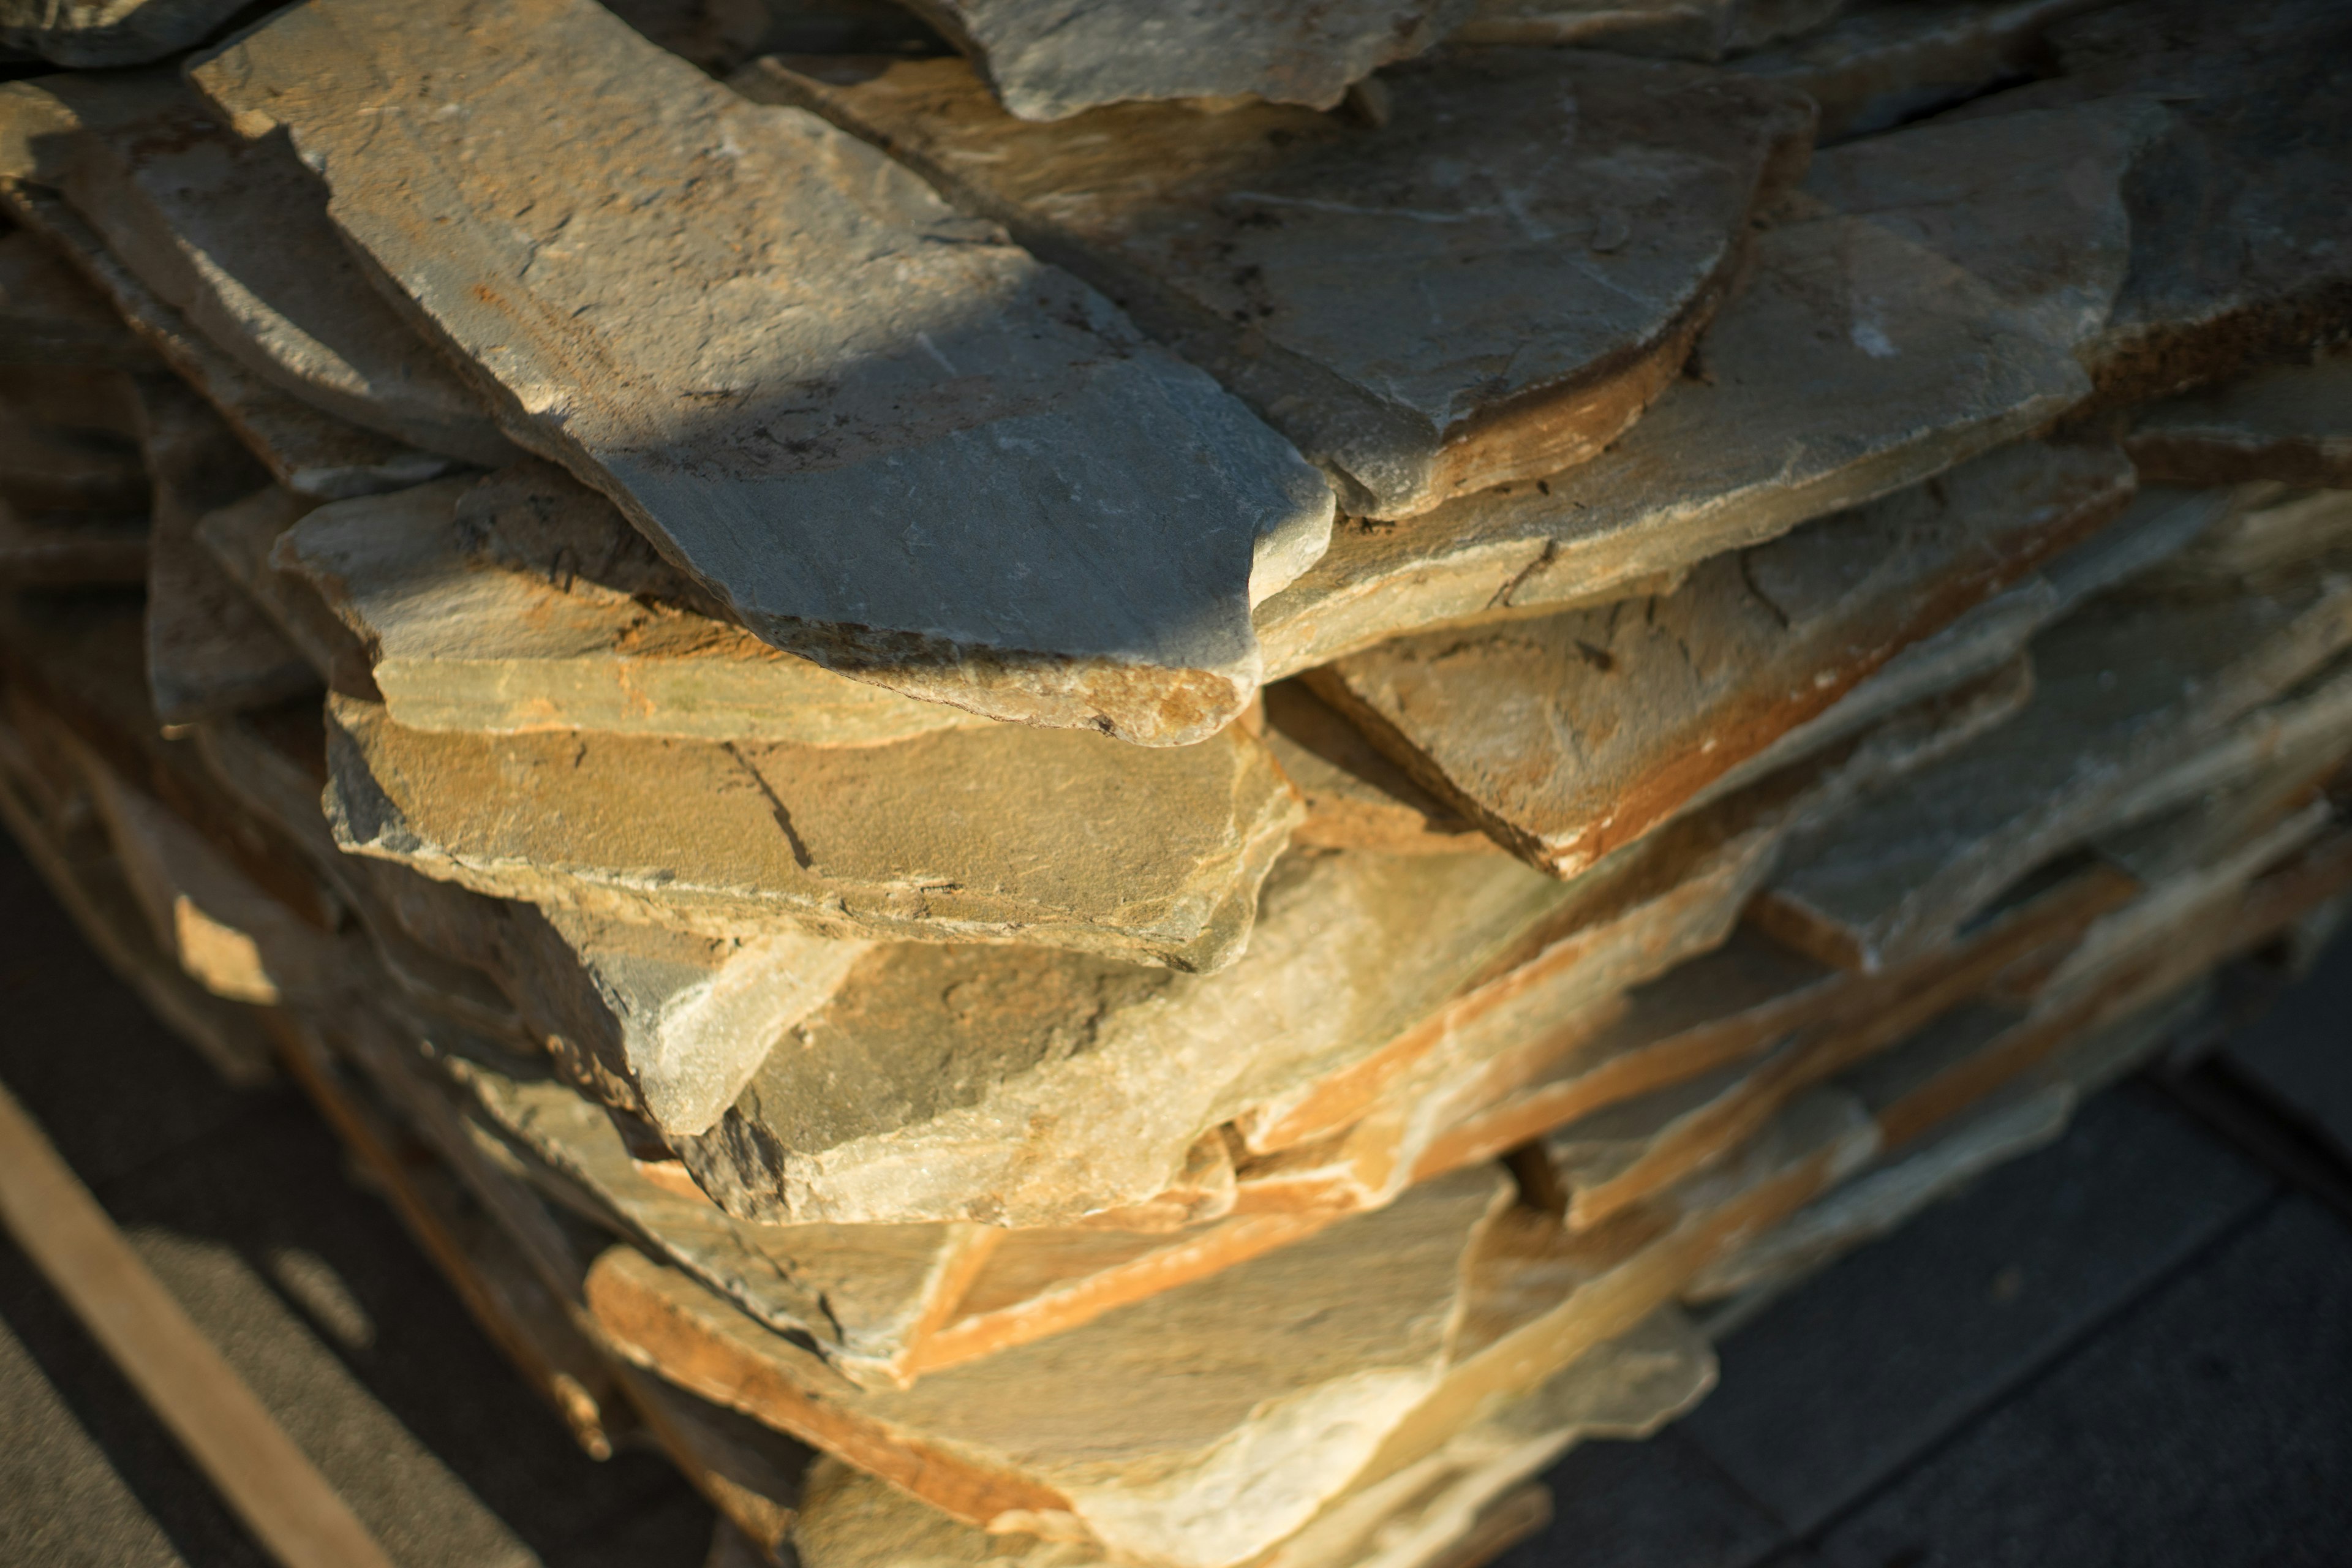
(304,449)
(1885,65)
(2125,689)
(525,601)
(1854,363)
(785,358)
(1570,735)
(1251,1398)
(1489,287)
(1003,834)
(1626,1388)
(234,236)
(2255,146)
(95,35)
(1356,797)
(1047,61)
(210,648)
(2289,423)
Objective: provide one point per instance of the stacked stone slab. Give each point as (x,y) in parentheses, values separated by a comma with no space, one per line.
(1118,797)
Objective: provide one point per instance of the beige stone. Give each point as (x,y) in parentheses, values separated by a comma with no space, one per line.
(2160,523)
(1570,735)
(233,236)
(1626,1388)
(1048,61)
(2289,423)
(1208,1423)
(1488,286)
(2125,689)
(526,601)
(887,439)
(1356,797)
(1852,364)
(1000,833)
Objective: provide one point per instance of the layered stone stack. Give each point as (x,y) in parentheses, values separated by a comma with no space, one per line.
(1121,797)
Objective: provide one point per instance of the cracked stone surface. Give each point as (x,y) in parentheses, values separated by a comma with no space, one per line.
(1490,286)
(1852,364)
(1241,1404)
(1626,1388)
(1001,833)
(2288,424)
(1049,58)
(525,601)
(885,437)
(92,35)
(233,236)
(2126,689)
(1570,735)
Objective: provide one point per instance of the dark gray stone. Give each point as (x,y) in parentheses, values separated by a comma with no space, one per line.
(1656,1504)
(2300,1051)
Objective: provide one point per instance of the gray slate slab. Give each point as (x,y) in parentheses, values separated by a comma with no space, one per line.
(1048,58)
(887,439)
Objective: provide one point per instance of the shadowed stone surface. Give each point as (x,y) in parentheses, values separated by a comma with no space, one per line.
(2291,424)
(1686,29)
(52,317)
(233,235)
(1048,58)
(1490,286)
(887,439)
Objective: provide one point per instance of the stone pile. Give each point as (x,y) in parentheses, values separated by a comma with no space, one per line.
(1122,796)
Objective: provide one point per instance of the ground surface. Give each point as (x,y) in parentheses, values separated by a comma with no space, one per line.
(2135,1347)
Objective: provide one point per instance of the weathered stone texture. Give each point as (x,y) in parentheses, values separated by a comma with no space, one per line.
(1000,833)
(1568,735)
(1049,58)
(1491,286)
(525,601)
(887,439)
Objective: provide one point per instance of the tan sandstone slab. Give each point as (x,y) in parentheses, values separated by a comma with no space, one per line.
(886,438)
(1490,286)
(1208,1423)
(1570,735)
(1854,363)
(1046,61)
(233,235)
(999,834)
(2126,689)
(1420,1517)
(2292,423)
(525,602)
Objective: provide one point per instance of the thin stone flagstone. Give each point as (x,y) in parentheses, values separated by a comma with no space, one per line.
(1047,58)
(887,439)
(1491,286)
